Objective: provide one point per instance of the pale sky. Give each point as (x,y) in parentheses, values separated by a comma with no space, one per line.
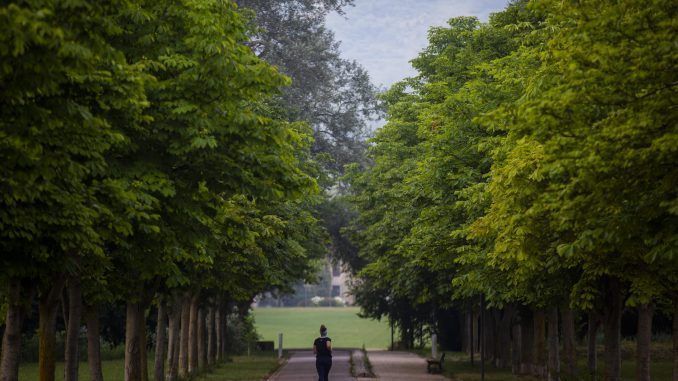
(384,35)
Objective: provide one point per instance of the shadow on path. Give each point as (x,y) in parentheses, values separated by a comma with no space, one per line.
(400,366)
(301,367)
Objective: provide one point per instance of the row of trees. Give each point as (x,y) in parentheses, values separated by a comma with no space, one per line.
(531,164)
(151,155)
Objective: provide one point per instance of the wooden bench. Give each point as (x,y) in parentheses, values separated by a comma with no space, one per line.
(435,365)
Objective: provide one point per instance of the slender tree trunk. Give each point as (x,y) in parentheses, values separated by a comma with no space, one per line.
(183,342)
(64,307)
(143,341)
(211,336)
(193,337)
(675,339)
(464,333)
(93,345)
(219,331)
(643,341)
(504,337)
(516,350)
(471,341)
(202,340)
(526,341)
(490,336)
(539,364)
(174,340)
(554,347)
(612,326)
(49,303)
(72,358)
(569,342)
(592,335)
(160,343)
(11,339)
(133,342)
(222,319)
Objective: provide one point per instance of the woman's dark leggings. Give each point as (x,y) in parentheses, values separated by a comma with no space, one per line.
(323,365)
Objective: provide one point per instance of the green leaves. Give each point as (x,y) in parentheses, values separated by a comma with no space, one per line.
(529,159)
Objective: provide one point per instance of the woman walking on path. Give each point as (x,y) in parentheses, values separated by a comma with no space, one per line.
(322,348)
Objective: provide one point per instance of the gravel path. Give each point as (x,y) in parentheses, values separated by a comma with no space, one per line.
(301,367)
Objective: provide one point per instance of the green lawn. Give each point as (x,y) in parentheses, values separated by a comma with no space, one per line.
(242,368)
(300,327)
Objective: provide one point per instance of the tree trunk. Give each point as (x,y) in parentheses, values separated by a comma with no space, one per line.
(675,339)
(643,341)
(72,358)
(612,326)
(202,340)
(133,342)
(143,342)
(93,345)
(49,303)
(211,336)
(505,325)
(219,331)
(174,340)
(464,333)
(592,354)
(11,338)
(222,319)
(539,363)
(471,341)
(569,342)
(183,342)
(160,343)
(516,351)
(554,358)
(526,341)
(490,336)
(193,337)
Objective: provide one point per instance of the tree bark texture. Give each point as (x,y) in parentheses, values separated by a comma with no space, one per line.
(11,339)
(202,340)
(143,342)
(72,358)
(489,327)
(193,337)
(569,342)
(174,340)
(611,327)
(464,333)
(675,339)
(94,345)
(505,318)
(554,347)
(49,303)
(133,342)
(211,336)
(539,363)
(592,355)
(160,342)
(183,342)
(516,350)
(526,341)
(643,340)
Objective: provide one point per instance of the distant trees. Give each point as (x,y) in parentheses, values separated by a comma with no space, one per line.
(143,163)
(531,161)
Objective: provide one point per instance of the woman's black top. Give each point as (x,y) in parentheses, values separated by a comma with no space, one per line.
(321,347)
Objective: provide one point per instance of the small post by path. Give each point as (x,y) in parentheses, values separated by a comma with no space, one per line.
(434,346)
(280,345)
